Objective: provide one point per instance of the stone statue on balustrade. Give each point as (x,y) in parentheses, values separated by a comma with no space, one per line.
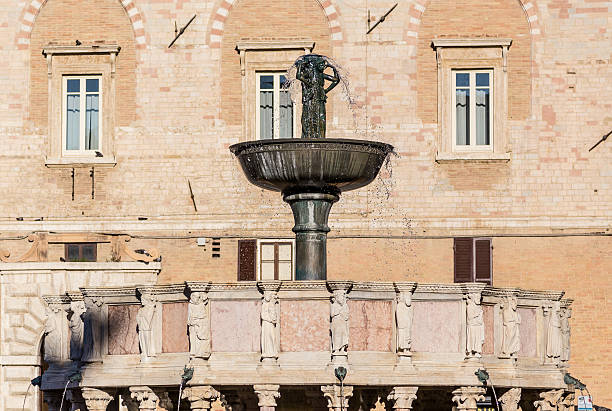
(554,339)
(403,319)
(92,330)
(53,337)
(475,326)
(511,341)
(198,323)
(566,314)
(147,318)
(270,317)
(339,323)
(75,323)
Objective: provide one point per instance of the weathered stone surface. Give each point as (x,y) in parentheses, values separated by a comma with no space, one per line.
(489,326)
(436,326)
(528,332)
(174,327)
(235,326)
(122,333)
(370,325)
(305,326)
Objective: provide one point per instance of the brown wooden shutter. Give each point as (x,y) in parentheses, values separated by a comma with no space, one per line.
(463,260)
(483,260)
(246,260)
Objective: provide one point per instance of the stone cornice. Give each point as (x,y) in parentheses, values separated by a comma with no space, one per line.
(53,49)
(472,42)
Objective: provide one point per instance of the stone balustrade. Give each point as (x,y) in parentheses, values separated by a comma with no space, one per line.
(296,333)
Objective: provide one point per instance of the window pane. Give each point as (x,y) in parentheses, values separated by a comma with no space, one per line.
(267,271)
(91,85)
(463,79)
(284,251)
(283,80)
(482,79)
(266,82)
(73,118)
(482,117)
(266,116)
(89,252)
(73,86)
(267,252)
(284,270)
(286,115)
(91,121)
(463,117)
(72,253)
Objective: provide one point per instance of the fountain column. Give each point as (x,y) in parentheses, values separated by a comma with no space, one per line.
(310,213)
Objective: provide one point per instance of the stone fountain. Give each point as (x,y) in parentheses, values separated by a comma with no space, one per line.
(312,172)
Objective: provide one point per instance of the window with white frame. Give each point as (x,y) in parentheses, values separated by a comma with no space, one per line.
(275,110)
(81,114)
(472,109)
(275,259)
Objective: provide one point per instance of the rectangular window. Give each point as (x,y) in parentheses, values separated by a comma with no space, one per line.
(275,110)
(80,252)
(473,260)
(275,260)
(82,108)
(472,109)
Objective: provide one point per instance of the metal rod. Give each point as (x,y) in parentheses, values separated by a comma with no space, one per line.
(92,174)
(195,207)
(601,140)
(380,20)
(182,30)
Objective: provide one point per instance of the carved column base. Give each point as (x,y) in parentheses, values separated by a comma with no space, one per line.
(466,398)
(401,398)
(96,400)
(337,396)
(200,397)
(267,395)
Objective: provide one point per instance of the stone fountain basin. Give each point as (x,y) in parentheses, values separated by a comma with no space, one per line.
(311,165)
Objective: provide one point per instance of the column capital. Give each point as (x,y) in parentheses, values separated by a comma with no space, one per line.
(510,400)
(466,397)
(267,394)
(146,398)
(549,401)
(337,396)
(401,397)
(200,397)
(95,399)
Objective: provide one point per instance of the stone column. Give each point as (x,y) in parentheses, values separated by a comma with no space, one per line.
(96,400)
(145,398)
(200,397)
(337,396)
(401,398)
(510,400)
(267,395)
(466,398)
(549,401)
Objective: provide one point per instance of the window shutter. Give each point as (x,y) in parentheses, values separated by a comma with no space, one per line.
(483,260)
(463,260)
(246,260)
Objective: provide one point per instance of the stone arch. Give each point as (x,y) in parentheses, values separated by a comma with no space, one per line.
(30,12)
(417,8)
(216,25)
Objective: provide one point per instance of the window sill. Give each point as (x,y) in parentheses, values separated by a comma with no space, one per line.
(472,157)
(76,162)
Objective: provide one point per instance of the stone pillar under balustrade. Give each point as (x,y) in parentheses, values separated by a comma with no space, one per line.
(200,397)
(400,398)
(267,395)
(550,400)
(95,399)
(337,396)
(510,400)
(143,397)
(467,398)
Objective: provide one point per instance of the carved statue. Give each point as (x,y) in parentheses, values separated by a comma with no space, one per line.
(92,333)
(510,400)
(475,326)
(145,319)
(77,309)
(53,337)
(554,340)
(270,316)
(566,314)
(311,72)
(511,342)
(339,323)
(198,322)
(403,320)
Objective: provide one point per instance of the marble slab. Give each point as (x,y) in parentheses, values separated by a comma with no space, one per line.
(122,332)
(304,325)
(528,332)
(488,314)
(436,326)
(370,325)
(174,327)
(235,326)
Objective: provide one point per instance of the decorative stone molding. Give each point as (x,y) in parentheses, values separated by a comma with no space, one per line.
(77,328)
(511,320)
(401,398)
(303,45)
(270,322)
(198,323)
(200,397)
(267,395)
(549,400)
(404,313)
(149,325)
(339,319)
(510,400)
(567,401)
(337,396)
(466,398)
(120,249)
(475,331)
(554,336)
(38,249)
(95,399)
(145,397)
(53,334)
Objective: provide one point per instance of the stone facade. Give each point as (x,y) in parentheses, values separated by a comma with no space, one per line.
(544,202)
